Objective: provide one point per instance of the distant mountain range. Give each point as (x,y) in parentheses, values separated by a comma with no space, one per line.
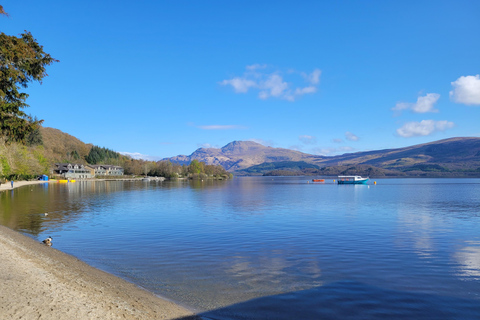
(443,158)
(454,157)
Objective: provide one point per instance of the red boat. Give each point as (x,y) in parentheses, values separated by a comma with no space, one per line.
(318,180)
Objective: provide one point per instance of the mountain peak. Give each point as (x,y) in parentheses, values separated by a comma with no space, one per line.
(241,147)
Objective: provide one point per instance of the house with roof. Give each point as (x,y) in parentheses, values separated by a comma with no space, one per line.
(72,170)
(107,170)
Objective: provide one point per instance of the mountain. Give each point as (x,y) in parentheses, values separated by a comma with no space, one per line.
(239,155)
(453,154)
(448,157)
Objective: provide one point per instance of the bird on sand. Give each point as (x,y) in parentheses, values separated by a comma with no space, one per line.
(48,241)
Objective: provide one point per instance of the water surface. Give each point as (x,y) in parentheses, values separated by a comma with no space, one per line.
(282,247)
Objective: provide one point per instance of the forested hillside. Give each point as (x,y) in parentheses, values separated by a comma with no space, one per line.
(19,161)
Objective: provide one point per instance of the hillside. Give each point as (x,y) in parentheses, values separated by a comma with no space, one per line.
(454,154)
(239,155)
(62,147)
(448,157)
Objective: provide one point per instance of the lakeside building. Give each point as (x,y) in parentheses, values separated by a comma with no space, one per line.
(73,170)
(106,170)
(80,171)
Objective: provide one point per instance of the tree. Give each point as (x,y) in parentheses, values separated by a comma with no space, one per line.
(101,155)
(22,60)
(196,166)
(2,11)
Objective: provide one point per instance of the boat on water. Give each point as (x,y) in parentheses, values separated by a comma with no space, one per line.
(318,180)
(352,180)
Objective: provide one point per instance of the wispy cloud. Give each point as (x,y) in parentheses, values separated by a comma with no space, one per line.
(424,104)
(308,139)
(221,127)
(206,145)
(256,67)
(267,143)
(314,77)
(466,90)
(240,85)
(271,83)
(137,155)
(337,140)
(351,137)
(332,151)
(423,128)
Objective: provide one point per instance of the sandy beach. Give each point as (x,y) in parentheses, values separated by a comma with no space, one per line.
(40,282)
(17,184)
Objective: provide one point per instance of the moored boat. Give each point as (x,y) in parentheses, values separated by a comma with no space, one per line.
(352,180)
(318,180)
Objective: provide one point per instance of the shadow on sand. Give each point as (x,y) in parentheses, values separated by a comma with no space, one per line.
(348,300)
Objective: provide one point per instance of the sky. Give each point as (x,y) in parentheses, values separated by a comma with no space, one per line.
(156,79)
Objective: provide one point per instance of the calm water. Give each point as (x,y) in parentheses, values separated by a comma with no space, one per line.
(258,247)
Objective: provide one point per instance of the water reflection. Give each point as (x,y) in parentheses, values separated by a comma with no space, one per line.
(469,260)
(213,244)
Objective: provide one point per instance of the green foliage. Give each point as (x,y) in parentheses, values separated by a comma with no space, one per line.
(196,170)
(19,162)
(5,169)
(74,155)
(196,167)
(43,162)
(98,155)
(22,60)
(34,138)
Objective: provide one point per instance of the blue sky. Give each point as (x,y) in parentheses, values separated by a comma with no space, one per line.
(163,78)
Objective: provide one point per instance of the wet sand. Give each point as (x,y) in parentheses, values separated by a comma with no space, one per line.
(40,282)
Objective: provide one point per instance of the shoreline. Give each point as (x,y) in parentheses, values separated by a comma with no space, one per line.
(18,184)
(40,282)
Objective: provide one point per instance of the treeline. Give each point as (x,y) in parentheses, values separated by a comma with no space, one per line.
(98,155)
(136,167)
(169,170)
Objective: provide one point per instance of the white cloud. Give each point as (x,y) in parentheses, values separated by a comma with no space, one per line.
(423,128)
(271,83)
(424,104)
(308,139)
(302,91)
(314,77)
(466,90)
(337,140)
(205,145)
(351,137)
(274,86)
(220,127)
(137,155)
(240,85)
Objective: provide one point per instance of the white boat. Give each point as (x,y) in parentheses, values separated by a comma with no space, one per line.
(352,180)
